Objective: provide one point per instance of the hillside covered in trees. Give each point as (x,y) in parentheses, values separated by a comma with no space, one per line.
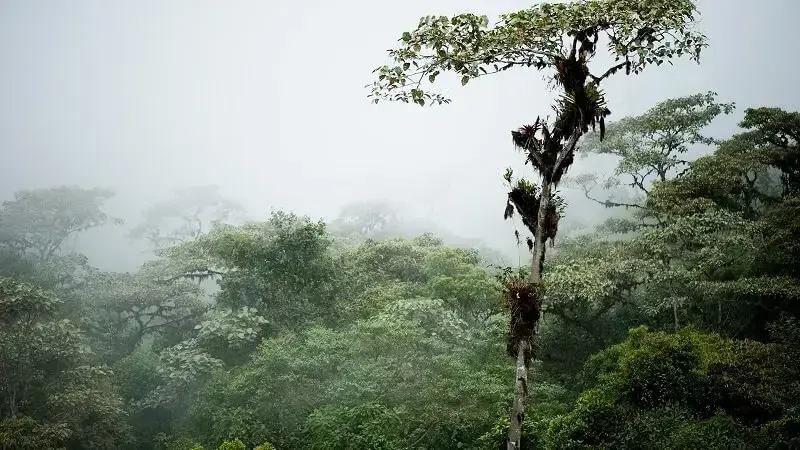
(672,325)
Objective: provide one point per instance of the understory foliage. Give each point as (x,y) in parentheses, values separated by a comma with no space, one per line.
(673,325)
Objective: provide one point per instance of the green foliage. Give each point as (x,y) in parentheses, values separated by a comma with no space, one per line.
(778,131)
(705,262)
(381,272)
(180,443)
(232,445)
(650,148)
(465,44)
(695,387)
(41,220)
(25,433)
(550,402)
(455,277)
(317,341)
(236,444)
(318,381)
(136,376)
(125,309)
(739,175)
(183,367)
(392,260)
(653,142)
(283,266)
(231,335)
(223,338)
(48,385)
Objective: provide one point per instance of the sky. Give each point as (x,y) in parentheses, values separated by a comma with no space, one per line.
(267,100)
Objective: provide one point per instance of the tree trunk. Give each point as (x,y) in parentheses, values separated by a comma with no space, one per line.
(538,237)
(520,393)
(521,383)
(675,315)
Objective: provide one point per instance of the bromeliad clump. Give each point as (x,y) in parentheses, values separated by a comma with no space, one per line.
(524,197)
(523,303)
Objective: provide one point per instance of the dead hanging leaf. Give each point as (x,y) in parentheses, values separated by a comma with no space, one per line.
(509,212)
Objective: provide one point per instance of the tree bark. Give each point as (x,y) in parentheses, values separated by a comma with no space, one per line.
(520,393)
(538,236)
(521,383)
(675,316)
(524,349)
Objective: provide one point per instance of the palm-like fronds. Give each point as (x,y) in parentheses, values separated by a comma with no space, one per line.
(581,110)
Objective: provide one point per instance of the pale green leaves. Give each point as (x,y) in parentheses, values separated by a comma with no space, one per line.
(443,42)
(758,287)
(706,228)
(183,368)
(24,302)
(466,45)
(650,147)
(351,385)
(429,314)
(670,125)
(657,269)
(228,330)
(591,283)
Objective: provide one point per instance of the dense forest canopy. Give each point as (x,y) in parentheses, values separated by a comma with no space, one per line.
(680,331)
(674,324)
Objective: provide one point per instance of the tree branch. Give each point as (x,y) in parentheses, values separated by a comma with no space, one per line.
(609,203)
(568,148)
(610,71)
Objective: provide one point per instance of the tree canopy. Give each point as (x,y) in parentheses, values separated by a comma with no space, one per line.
(636,34)
(673,325)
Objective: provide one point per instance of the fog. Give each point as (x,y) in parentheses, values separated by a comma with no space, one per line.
(267,100)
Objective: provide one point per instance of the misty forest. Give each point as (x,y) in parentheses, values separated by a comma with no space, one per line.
(643,295)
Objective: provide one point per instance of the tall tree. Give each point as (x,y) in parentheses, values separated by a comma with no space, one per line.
(779,134)
(41,220)
(282,265)
(562,38)
(51,395)
(651,146)
(188,214)
(123,309)
(750,180)
(368,218)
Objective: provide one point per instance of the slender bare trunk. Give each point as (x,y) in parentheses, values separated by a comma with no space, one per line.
(524,352)
(526,347)
(520,393)
(538,237)
(675,315)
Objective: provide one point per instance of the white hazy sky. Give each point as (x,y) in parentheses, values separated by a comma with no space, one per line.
(266,99)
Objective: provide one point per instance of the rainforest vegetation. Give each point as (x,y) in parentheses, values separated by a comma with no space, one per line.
(672,325)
